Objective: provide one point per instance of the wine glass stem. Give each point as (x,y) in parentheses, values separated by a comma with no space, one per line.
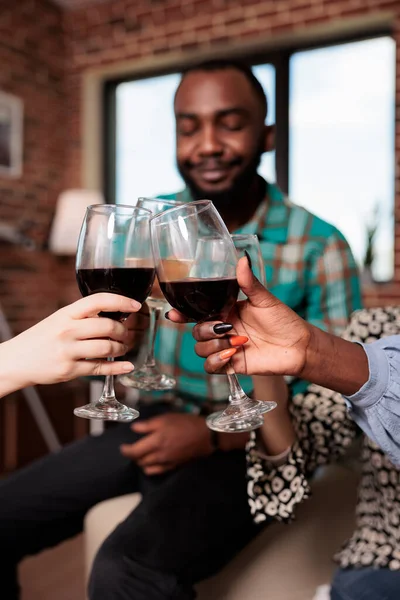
(108,390)
(154,315)
(237,394)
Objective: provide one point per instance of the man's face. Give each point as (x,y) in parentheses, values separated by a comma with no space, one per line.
(220,133)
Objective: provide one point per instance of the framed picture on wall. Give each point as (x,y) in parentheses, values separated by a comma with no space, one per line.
(11,132)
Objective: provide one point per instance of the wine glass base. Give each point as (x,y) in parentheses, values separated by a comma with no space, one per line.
(265,407)
(148,380)
(246,423)
(245,416)
(107,411)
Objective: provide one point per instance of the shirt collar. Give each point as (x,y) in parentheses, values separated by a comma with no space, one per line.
(270,220)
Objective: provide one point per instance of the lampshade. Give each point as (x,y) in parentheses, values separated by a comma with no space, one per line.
(70,211)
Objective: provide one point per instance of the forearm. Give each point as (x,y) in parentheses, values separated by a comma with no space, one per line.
(335,363)
(277,432)
(232,441)
(11,374)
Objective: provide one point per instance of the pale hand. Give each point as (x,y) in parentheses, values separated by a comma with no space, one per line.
(72,342)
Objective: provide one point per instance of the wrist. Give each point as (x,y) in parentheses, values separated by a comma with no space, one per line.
(316,346)
(10,372)
(335,363)
(277,432)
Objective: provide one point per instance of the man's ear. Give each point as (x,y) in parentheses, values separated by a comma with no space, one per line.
(269,138)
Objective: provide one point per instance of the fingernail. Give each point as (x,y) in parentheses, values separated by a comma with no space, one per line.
(136,305)
(238,340)
(227,353)
(248,259)
(222,328)
(128,367)
(166,315)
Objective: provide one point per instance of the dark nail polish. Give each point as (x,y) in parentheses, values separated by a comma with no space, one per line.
(166,315)
(222,328)
(248,259)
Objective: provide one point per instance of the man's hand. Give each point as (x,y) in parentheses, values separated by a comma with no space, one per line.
(169,441)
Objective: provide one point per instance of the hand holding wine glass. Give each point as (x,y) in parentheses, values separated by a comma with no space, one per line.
(202,285)
(114,256)
(69,343)
(277,338)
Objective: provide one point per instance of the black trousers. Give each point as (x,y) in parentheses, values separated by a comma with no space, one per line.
(191,522)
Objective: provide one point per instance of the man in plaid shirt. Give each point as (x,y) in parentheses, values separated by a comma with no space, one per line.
(194,516)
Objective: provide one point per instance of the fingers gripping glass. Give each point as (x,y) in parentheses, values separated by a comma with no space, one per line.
(148,376)
(114,256)
(249,246)
(196,259)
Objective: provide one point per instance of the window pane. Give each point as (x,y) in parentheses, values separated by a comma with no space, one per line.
(145,148)
(266,75)
(342,102)
(145,161)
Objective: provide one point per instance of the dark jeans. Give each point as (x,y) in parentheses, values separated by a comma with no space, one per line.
(190,523)
(366,584)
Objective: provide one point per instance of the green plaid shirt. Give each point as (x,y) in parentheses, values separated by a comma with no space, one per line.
(308,265)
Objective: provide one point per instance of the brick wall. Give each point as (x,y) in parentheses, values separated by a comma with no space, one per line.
(106,33)
(34,284)
(32,61)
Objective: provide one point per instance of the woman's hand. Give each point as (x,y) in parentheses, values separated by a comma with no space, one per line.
(72,342)
(266,338)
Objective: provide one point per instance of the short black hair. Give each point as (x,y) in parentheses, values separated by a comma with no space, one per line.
(223,64)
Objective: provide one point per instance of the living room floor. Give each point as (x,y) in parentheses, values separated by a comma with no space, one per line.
(55,574)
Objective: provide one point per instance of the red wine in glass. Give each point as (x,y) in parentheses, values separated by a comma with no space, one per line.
(133,282)
(114,256)
(202,299)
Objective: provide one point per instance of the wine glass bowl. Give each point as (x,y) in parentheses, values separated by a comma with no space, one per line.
(114,256)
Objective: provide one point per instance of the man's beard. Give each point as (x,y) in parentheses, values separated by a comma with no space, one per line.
(235,194)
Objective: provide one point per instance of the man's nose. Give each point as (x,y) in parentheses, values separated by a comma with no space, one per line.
(210,143)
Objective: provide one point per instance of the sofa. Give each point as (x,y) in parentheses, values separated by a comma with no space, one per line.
(285,562)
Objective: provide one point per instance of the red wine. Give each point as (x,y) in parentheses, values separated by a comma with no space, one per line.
(201,299)
(133,282)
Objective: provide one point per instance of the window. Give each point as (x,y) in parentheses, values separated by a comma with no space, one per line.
(341,163)
(145,136)
(335,133)
(145,139)
(266,76)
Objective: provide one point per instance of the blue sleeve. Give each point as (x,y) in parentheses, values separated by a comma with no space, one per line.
(376,406)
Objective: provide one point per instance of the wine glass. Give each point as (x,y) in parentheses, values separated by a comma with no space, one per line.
(246,245)
(114,256)
(195,260)
(149,377)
